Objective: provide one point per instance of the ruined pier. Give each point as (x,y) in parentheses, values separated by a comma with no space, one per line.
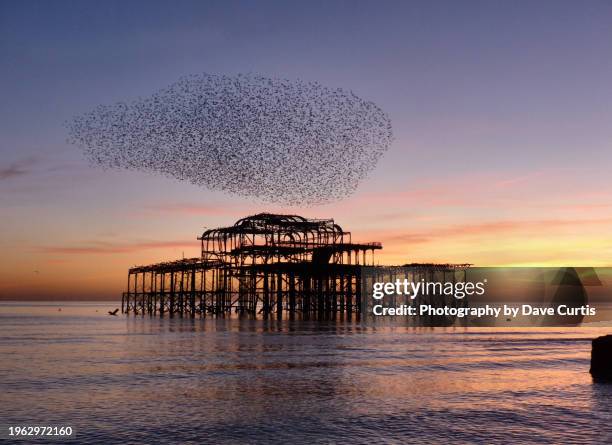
(264,264)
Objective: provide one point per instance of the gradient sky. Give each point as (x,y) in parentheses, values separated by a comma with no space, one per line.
(501,113)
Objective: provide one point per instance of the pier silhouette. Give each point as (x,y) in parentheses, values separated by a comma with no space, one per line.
(264,264)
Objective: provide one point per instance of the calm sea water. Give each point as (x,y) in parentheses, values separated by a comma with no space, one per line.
(150,380)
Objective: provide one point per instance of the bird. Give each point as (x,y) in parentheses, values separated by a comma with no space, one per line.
(113,312)
(278,140)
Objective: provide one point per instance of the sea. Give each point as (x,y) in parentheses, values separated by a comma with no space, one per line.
(148,380)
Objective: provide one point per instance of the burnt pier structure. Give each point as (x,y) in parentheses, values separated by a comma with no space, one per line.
(263,264)
(272,264)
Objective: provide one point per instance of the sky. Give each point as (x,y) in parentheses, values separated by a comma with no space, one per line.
(501,115)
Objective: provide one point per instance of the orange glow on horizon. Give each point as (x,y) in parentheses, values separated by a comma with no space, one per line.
(486,220)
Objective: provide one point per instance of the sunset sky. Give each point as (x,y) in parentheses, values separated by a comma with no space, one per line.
(501,113)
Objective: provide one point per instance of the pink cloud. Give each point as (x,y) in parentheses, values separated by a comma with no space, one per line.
(100,247)
(483,229)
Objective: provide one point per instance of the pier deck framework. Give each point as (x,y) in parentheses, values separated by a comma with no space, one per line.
(263,264)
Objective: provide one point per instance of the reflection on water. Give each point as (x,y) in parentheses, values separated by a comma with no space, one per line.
(209,381)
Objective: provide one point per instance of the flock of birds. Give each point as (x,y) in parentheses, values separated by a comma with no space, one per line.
(282,141)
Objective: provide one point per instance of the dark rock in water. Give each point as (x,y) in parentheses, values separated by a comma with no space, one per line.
(601,358)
